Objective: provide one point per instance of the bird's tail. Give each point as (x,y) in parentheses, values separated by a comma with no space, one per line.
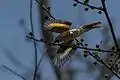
(87,27)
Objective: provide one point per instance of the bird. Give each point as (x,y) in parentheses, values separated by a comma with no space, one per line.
(66,36)
(57,25)
(64,54)
(71,34)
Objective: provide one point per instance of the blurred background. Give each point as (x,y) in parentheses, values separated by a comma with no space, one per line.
(17,52)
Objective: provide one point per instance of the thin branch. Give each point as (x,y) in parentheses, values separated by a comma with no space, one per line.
(43,55)
(111,29)
(45,9)
(39,62)
(56,44)
(35,47)
(15,73)
(102,62)
(88,5)
(110,24)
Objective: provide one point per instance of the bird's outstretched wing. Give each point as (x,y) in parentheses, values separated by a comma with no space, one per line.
(57,25)
(64,54)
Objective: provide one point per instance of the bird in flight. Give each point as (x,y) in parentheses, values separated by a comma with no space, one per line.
(66,38)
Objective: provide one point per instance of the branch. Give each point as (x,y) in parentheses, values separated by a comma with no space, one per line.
(111,29)
(101,61)
(15,73)
(35,47)
(110,24)
(56,44)
(43,55)
(88,5)
(45,9)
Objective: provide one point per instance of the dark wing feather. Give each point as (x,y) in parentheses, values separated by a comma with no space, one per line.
(63,56)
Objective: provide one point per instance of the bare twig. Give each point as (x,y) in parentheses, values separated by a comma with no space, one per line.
(15,73)
(102,62)
(43,55)
(45,9)
(56,44)
(88,5)
(35,47)
(112,31)
(110,24)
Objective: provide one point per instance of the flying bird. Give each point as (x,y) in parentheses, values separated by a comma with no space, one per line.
(67,49)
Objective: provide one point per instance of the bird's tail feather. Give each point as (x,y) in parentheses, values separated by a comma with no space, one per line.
(91,26)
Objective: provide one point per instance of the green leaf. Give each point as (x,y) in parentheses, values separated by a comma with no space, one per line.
(86,2)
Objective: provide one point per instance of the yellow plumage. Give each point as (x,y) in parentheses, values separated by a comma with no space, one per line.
(57,26)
